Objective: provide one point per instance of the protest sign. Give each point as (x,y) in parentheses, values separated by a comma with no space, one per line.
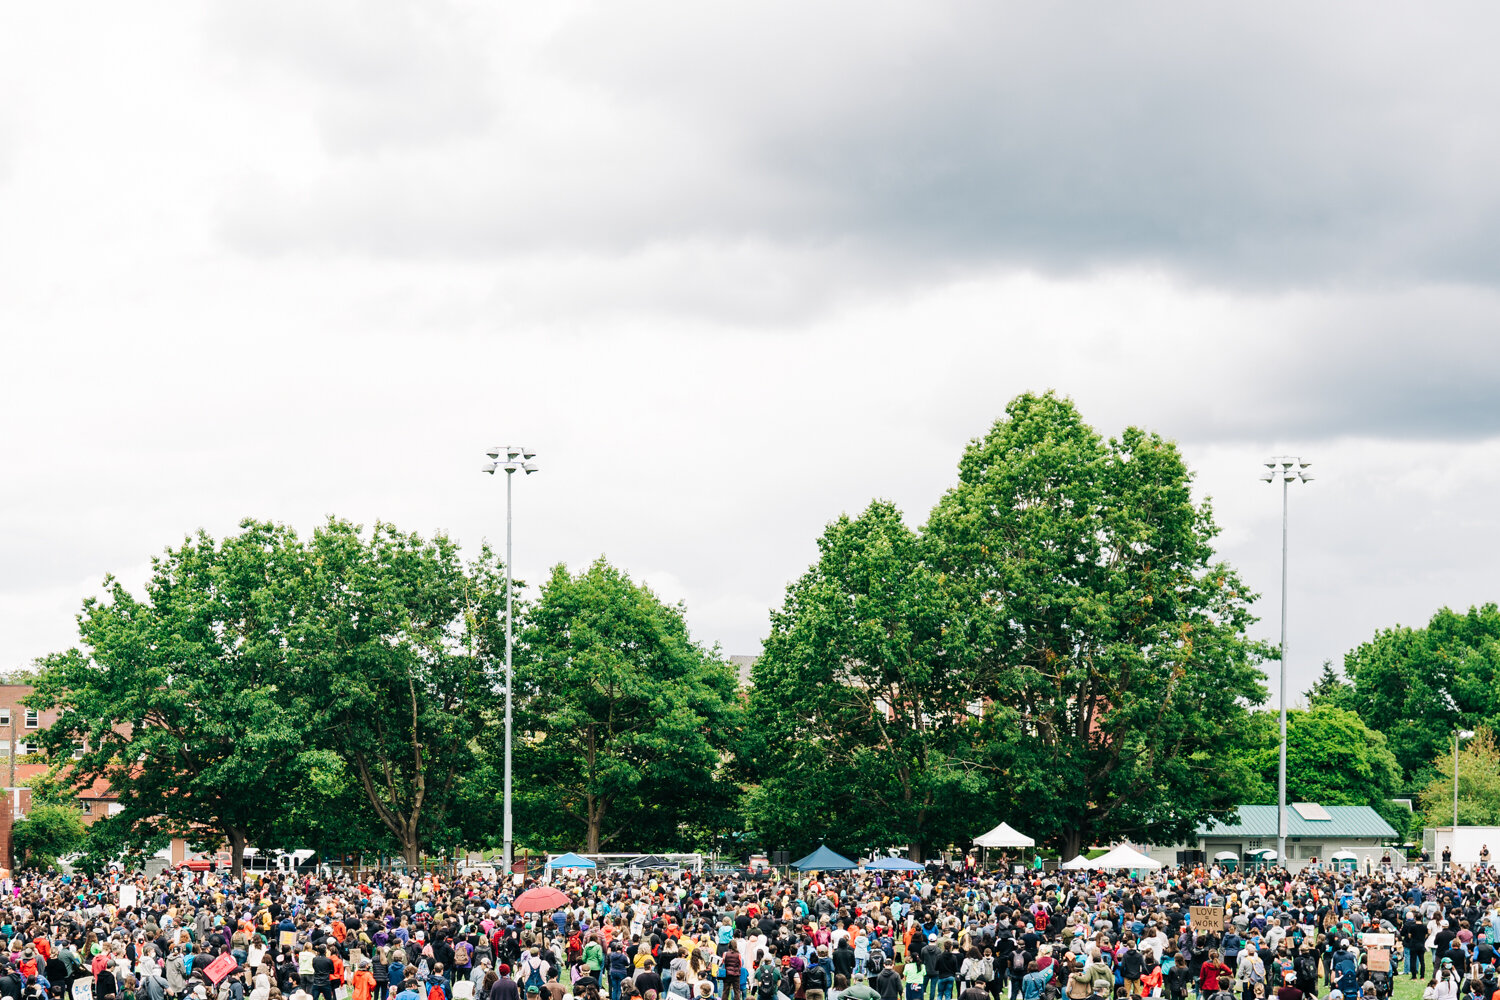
(221,967)
(1207,918)
(1378,959)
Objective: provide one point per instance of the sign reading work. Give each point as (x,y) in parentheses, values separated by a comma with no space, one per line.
(1207,918)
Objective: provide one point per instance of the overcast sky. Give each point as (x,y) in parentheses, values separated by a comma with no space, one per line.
(735,267)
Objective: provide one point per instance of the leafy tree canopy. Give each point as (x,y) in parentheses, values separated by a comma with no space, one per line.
(865,716)
(1109,633)
(1332,758)
(1417,685)
(177,699)
(49,831)
(627,721)
(1478,784)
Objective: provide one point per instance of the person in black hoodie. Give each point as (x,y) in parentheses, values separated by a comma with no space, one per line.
(843,960)
(948,964)
(889,983)
(11,984)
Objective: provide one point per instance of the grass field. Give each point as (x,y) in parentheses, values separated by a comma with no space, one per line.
(1408,988)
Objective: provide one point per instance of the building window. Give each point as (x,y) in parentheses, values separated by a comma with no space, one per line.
(4,716)
(78,751)
(22,748)
(88,808)
(31,719)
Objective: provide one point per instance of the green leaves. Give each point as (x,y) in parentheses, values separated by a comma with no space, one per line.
(1103,625)
(49,831)
(394,668)
(1332,758)
(264,669)
(175,699)
(1057,648)
(1478,784)
(1417,685)
(863,695)
(625,719)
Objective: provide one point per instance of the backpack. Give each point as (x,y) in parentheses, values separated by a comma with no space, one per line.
(1346,974)
(1018,961)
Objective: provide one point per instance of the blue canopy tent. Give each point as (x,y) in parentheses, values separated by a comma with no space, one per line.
(570,860)
(894,865)
(824,860)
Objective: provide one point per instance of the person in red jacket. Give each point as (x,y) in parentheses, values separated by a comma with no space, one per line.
(1209,977)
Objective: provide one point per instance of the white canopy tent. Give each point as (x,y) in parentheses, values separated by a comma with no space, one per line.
(1078,864)
(1344,856)
(1004,835)
(1126,857)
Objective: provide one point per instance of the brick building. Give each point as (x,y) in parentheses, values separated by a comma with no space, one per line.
(19,728)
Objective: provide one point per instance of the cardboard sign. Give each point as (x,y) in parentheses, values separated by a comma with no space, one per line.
(1207,918)
(83,989)
(1373,940)
(128,895)
(1378,960)
(1430,882)
(221,967)
(289,939)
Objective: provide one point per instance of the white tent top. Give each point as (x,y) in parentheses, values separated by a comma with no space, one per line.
(1004,835)
(1226,856)
(1078,864)
(1124,856)
(1344,856)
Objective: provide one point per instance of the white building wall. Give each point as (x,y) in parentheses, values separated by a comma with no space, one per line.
(1466,844)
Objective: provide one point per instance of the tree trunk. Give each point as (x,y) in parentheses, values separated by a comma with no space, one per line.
(1072,844)
(596,823)
(237,841)
(411,850)
(915,851)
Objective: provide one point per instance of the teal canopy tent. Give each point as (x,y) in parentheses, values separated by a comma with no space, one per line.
(824,860)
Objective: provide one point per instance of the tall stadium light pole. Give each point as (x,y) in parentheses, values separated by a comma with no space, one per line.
(1287,469)
(517,459)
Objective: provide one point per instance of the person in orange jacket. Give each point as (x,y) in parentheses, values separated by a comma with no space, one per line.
(1151,978)
(362,987)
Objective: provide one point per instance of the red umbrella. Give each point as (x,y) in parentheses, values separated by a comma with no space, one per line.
(539,898)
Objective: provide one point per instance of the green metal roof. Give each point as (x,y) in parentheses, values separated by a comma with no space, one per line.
(1346,821)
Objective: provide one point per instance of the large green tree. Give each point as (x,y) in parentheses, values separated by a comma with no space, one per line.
(176,699)
(1417,685)
(49,831)
(392,671)
(864,716)
(625,720)
(1478,784)
(1110,636)
(1332,757)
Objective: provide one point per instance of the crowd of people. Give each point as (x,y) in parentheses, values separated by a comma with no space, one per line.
(942,934)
